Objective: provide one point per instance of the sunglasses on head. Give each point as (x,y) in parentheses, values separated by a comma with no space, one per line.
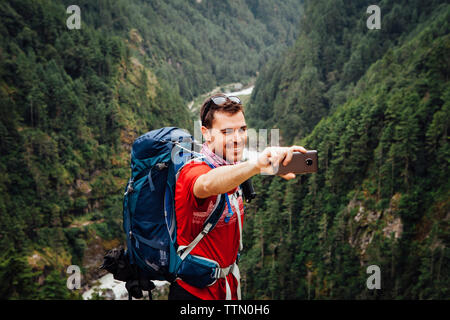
(219,100)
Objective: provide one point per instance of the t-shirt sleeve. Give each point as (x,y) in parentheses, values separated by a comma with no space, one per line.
(186,180)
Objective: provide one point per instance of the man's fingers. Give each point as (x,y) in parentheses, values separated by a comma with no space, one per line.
(267,154)
(288,158)
(276,156)
(298,148)
(288,176)
(281,154)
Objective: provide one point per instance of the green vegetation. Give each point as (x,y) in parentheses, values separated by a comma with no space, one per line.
(198,45)
(333,51)
(374,103)
(73,101)
(380,126)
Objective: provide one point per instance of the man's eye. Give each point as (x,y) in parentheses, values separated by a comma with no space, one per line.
(242,130)
(227,131)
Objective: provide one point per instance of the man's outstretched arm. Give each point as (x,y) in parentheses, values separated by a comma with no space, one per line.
(225,178)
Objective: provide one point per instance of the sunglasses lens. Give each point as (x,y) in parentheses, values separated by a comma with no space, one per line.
(234,99)
(219,100)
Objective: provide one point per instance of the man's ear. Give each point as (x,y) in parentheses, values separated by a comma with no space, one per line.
(206,133)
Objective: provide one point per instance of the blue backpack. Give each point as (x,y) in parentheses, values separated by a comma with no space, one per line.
(149,214)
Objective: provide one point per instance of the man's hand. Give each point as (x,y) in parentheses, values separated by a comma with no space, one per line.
(271,158)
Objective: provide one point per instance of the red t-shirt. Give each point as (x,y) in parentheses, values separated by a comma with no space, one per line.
(220,244)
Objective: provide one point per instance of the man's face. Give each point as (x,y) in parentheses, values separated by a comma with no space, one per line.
(227,136)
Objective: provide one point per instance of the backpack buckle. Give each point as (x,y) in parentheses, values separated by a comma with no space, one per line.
(161,166)
(129,188)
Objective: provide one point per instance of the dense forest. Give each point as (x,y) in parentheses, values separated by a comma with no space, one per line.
(374,103)
(72,102)
(376,106)
(196,45)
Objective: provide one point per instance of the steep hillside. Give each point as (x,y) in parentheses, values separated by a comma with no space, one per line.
(72,102)
(382,194)
(197,45)
(333,50)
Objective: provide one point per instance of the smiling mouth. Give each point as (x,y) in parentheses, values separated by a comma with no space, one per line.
(235,148)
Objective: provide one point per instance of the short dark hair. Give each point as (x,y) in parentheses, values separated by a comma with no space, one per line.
(229,106)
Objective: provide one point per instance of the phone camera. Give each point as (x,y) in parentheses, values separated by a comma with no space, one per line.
(309,162)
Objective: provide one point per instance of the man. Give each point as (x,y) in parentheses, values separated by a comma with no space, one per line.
(225,131)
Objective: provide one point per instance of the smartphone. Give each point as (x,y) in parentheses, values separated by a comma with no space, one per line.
(300,163)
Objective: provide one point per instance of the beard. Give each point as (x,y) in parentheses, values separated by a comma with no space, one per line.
(234,152)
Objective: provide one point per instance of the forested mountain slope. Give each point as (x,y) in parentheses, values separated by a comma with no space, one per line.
(382,194)
(196,45)
(72,102)
(333,50)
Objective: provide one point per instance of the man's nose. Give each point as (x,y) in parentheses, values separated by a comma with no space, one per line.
(238,136)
